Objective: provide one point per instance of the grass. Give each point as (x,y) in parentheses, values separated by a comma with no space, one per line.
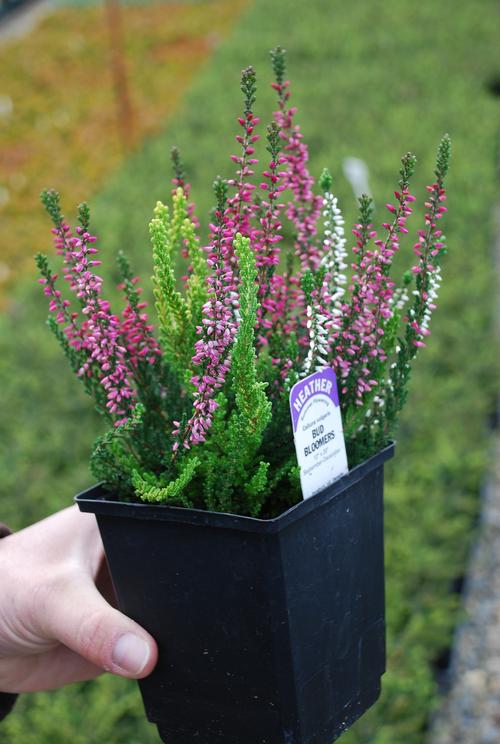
(371,80)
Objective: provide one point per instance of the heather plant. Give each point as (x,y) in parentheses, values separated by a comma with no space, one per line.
(198,413)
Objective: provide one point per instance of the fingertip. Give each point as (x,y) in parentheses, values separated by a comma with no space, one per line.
(134,655)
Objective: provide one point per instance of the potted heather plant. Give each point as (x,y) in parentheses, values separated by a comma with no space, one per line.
(268,608)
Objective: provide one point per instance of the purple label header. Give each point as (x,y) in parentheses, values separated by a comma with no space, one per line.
(320,383)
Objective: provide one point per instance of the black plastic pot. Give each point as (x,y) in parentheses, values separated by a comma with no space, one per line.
(269,631)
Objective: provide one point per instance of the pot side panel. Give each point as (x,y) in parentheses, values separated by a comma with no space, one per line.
(212,600)
(334,575)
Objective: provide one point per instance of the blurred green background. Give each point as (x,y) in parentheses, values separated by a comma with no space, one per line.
(371,80)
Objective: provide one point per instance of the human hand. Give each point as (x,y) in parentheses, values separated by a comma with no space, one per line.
(56,627)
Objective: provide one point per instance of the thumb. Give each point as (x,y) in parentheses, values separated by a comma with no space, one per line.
(75,614)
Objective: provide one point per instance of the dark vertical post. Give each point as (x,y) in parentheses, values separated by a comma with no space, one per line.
(124,111)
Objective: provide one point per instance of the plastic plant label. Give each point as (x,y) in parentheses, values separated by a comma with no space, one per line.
(317,430)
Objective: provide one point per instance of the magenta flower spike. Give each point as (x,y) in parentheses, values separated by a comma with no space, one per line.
(218,327)
(429,249)
(240,209)
(136,330)
(305,208)
(102,338)
(98,337)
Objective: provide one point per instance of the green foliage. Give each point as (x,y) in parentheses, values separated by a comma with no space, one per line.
(171,306)
(325,180)
(443,159)
(164,490)
(366,210)
(196,286)
(178,166)
(273,146)
(113,458)
(236,479)
(171,237)
(408,163)
(248,87)
(52,202)
(84,215)
(106,710)
(251,401)
(127,277)
(279,64)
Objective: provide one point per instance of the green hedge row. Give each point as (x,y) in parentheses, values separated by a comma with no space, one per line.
(371,80)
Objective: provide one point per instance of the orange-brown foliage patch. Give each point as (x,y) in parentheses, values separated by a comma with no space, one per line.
(64,129)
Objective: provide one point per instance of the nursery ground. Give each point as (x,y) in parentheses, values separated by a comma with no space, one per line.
(371,80)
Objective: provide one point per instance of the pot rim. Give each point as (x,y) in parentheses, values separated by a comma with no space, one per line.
(94,500)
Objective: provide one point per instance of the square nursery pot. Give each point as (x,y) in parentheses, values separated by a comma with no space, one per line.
(269,631)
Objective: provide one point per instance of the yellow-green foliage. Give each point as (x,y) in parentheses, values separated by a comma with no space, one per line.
(196,289)
(149,488)
(107,710)
(171,306)
(179,314)
(251,401)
